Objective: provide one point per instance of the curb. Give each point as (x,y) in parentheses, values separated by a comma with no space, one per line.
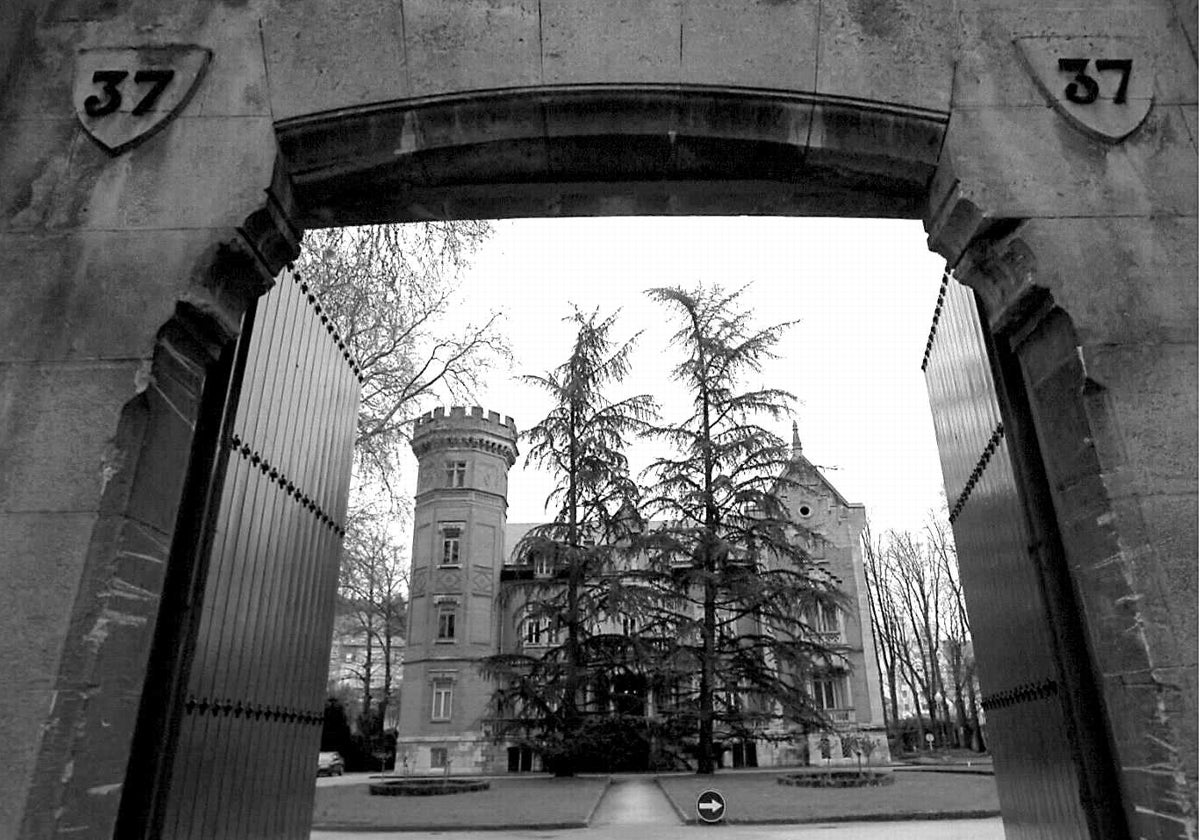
(908,816)
(442,827)
(587,821)
(683,818)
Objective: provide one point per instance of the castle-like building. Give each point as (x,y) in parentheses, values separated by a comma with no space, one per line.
(463,553)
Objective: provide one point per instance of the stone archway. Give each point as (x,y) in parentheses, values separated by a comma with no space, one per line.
(1081,248)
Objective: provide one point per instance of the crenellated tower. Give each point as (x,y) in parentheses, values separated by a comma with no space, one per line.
(458,552)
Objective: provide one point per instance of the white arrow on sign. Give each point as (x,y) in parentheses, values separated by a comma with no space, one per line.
(710,806)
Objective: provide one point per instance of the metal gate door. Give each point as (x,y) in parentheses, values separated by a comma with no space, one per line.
(1035,741)
(245,754)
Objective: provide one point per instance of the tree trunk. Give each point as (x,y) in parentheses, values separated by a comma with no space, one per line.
(566,765)
(368,672)
(977,741)
(705,764)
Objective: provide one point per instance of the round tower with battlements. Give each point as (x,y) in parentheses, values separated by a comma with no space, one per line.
(458,551)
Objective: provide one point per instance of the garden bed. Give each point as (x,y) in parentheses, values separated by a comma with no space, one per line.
(838,779)
(428,787)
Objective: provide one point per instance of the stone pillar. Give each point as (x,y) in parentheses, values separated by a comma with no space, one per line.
(123,277)
(1083,252)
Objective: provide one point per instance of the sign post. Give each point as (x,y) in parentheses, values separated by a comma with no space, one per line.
(710,806)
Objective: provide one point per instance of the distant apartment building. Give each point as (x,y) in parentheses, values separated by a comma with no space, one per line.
(350,665)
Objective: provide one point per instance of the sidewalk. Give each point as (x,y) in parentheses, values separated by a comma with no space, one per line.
(634,801)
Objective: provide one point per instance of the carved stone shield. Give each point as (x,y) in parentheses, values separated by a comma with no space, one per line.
(1104,86)
(124,94)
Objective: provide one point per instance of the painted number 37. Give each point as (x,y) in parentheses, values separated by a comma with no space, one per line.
(1084,89)
(109,99)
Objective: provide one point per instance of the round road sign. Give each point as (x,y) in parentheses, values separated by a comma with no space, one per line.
(710,806)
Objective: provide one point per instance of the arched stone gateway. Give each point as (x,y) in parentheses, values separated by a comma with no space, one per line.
(159,161)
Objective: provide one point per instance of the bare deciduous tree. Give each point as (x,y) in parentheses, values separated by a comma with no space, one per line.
(957,649)
(391,292)
(922,634)
(372,587)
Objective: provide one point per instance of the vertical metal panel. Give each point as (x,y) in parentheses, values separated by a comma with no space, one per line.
(1036,774)
(1027,723)
(245,758)
(961,391)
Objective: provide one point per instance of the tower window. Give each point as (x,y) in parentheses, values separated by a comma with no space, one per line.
(456,473)
(443,699)
(446,618)
(451,544)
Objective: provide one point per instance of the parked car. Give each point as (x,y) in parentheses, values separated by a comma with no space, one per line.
(330,764)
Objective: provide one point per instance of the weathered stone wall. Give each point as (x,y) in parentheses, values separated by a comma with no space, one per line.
(1111,374)
(117,294)
(337,55)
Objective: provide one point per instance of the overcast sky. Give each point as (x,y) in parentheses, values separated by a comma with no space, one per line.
(862,290)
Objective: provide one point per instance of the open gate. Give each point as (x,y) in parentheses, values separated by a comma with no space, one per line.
(1044,724)
(231,718)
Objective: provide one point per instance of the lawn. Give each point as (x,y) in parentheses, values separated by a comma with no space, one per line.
(531,801)
(758,798)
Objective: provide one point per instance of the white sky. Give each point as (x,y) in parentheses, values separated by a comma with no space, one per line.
(863,291)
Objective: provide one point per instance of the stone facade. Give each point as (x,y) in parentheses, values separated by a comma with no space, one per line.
(837,526)
(458,550)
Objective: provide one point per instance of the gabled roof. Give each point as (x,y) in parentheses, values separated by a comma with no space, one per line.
(799,463)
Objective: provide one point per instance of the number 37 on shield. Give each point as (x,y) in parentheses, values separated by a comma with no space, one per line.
(109,99)
(1085,89)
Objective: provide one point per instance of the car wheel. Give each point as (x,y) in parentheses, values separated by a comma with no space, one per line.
(337,771)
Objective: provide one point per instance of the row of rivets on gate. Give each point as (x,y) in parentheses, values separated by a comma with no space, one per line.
(977,473)
(256,459)
(937,316)
(315,303)
(250,710)
(1020,694)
